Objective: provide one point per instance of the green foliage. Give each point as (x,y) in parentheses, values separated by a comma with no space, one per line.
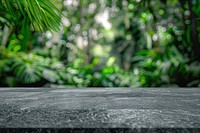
(139,43)
(42,14)
(167,68)
(28,68)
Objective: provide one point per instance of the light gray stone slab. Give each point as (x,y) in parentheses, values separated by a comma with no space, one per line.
(100,107)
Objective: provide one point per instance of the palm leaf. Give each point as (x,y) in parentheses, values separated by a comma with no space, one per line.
(26,72)
(41,13)
(28,68)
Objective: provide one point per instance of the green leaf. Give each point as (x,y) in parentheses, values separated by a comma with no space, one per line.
(41,13)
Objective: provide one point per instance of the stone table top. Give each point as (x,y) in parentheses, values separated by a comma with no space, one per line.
(100,108)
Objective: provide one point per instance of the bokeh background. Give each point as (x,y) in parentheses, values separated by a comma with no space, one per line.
(103,43)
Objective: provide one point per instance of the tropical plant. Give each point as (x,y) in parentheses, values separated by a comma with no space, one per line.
(128,43)
(27,69)
(41,14)
(19,18)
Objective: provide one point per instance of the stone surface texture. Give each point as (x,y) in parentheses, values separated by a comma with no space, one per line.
(100,108)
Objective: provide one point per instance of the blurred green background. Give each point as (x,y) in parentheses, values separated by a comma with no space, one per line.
(100,43)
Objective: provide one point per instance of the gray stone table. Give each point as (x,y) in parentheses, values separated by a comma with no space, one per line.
(100,108)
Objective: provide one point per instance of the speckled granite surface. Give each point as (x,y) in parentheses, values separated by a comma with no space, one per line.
(148,109)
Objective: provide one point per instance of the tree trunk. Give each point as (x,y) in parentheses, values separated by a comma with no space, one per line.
(194,33)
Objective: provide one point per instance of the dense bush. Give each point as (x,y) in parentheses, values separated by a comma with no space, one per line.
(28,69)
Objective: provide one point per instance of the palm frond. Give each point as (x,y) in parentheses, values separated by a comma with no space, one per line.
(41,13)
